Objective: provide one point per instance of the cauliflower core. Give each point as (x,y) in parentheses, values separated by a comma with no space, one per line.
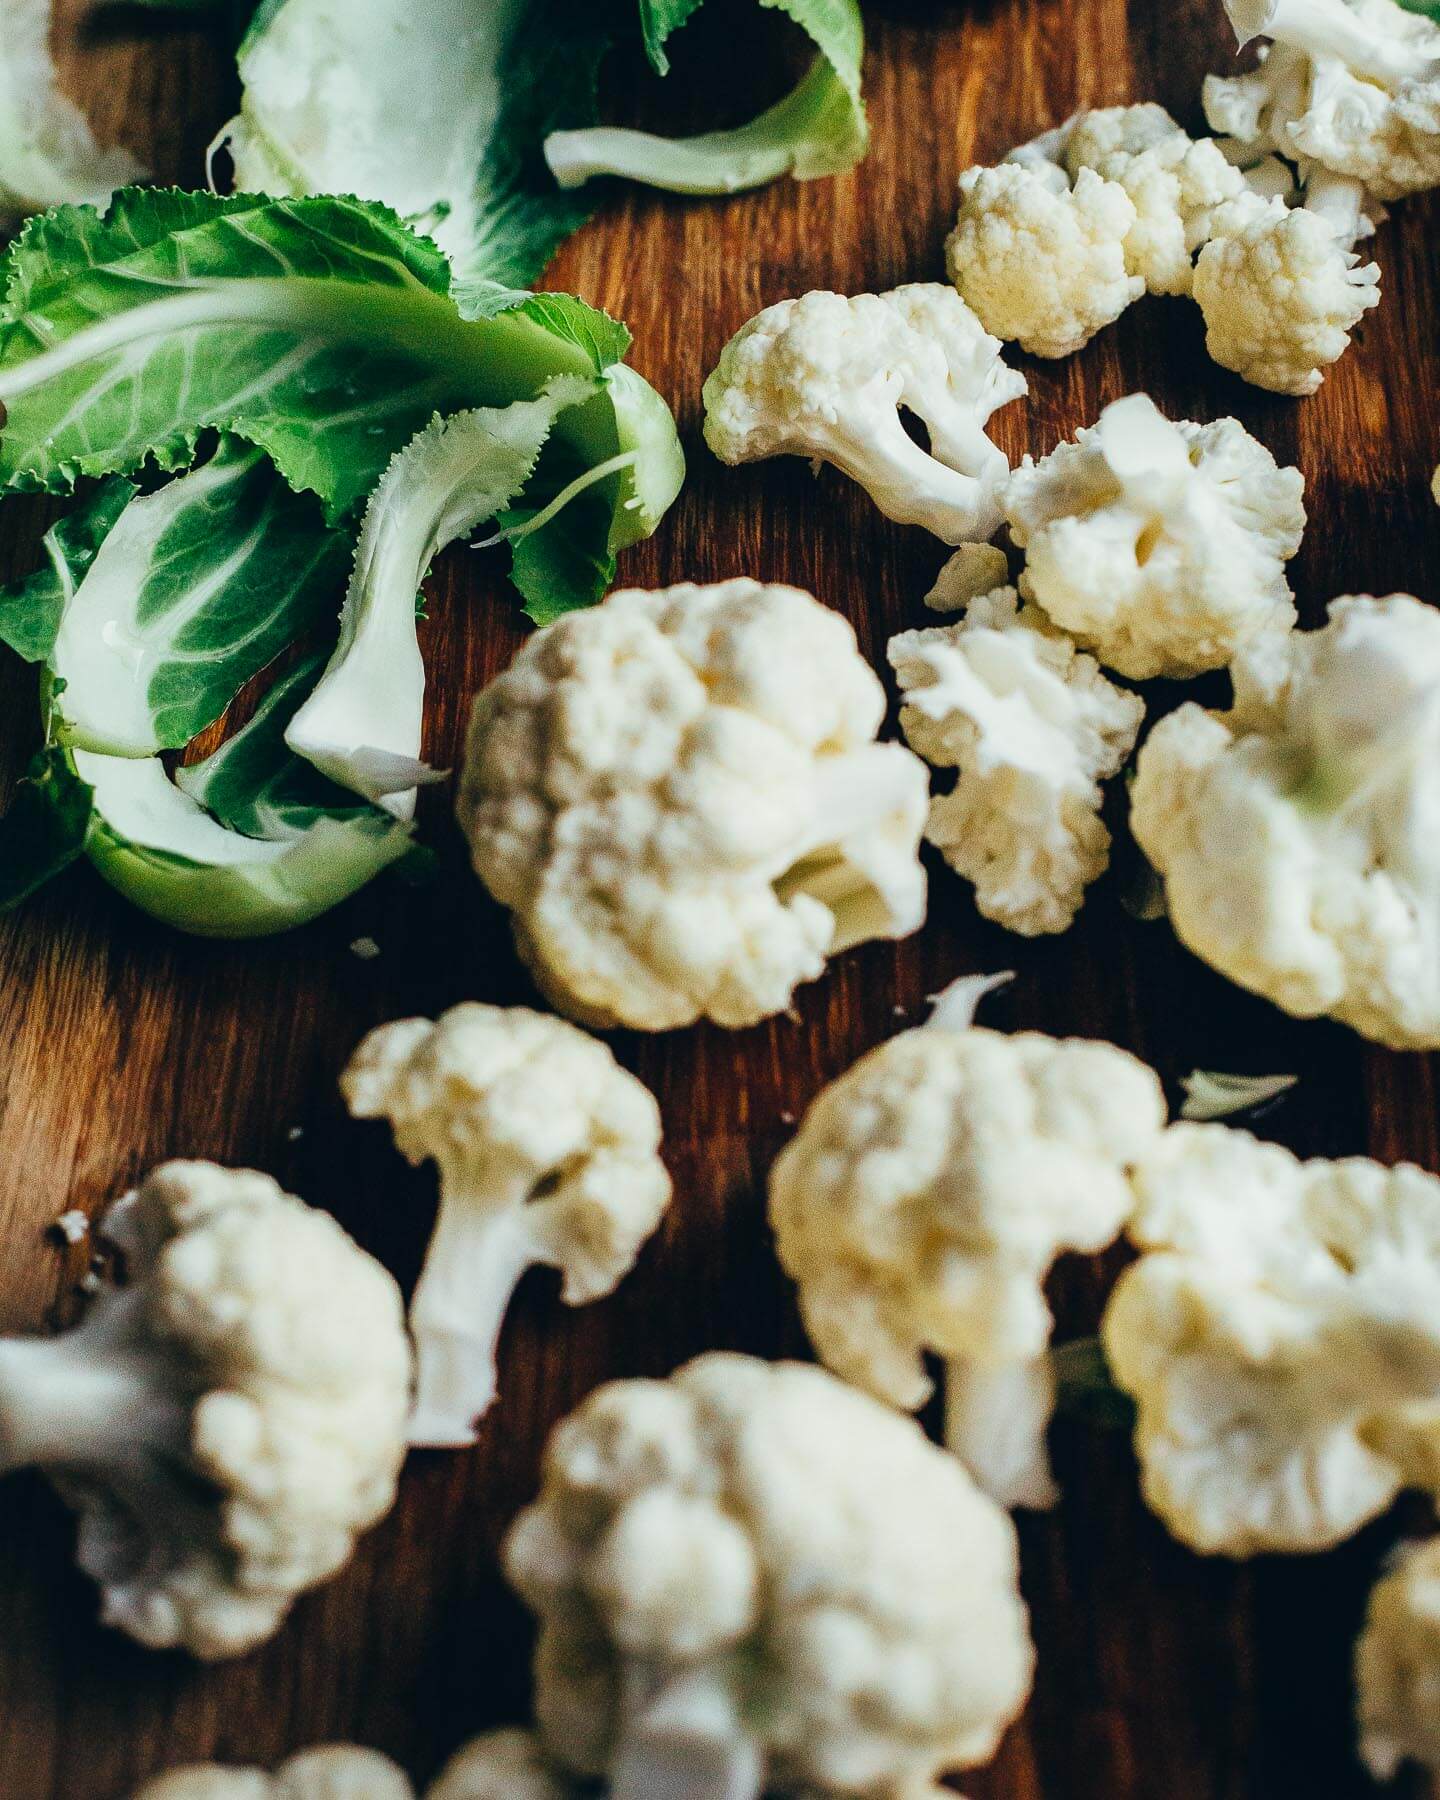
(1281,287)
(1281,1339)
(1298,835)
(752,1576)
(679,797)
(1353,87)
(228,1421)
(548,1152)
(1033,728)
(1159,546)
(827,376)
(922,1202)
(333,1772)
(1397,1665)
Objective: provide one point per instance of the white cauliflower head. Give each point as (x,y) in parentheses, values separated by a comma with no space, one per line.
(922,1202)
(753,1571)
(1282,287)
(228,1421)
(1281,1339)
(828,375)
(1043,263)
(1175,182)
(679,797)
(1159,546)
(1350,85)
(548,1153)
(1032,727)
(1298,835)
(1397,1665)
(332,1772)
(503,1765)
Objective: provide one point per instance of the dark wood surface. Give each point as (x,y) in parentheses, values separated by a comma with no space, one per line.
(1161,1674)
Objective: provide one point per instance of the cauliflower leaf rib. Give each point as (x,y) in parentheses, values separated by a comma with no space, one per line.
(548,1153)
(827,377)
(227,1422)
(818,129)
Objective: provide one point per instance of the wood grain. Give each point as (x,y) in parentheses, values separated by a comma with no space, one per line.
(1161,1674)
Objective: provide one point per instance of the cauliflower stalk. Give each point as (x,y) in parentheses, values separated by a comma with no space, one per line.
(679,797)
(828,376)
(548,1152)
(751,1576)
(922,1202)
(1280,1336)
(1033,728)
(1397,1665)
(1352,86)
(228,1421)
(330,1772)
(1159,546)
(1281,287)
(1297,834)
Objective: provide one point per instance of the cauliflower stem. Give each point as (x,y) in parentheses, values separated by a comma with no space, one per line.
(996,1418)
(681,1738)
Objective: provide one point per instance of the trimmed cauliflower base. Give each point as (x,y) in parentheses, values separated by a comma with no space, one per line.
(754,1564)
(1281,1339)
(1351,85)
(1397,1665)
(679,797)
(332,1772)
(229,1421)
(1298,835)
(1032,728)
(548,1152)
(926,1195)
(826,376)
(1159,546)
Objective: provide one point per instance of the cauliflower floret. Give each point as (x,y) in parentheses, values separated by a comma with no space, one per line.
(679,796)
(1281,1339)
(1033,728)
(332,1772)
(1043,263)
(1298,835)
(548,1152)
(1159,546)
(504,1765)
(228,1421)
(1176,182)
(973,570)
(1397,1665)
(827,376)
(1281,287)
(920,1207)
(1350,85)
(751,1575)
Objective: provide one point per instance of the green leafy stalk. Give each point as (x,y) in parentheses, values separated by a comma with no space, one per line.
(1085,1389)
(819,129)
(321,331)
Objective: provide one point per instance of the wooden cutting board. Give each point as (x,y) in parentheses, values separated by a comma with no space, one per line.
(1161,1674)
